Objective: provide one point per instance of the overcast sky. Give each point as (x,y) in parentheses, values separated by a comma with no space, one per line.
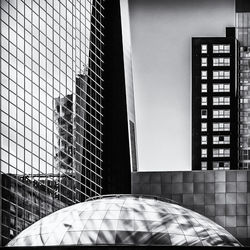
(161,32)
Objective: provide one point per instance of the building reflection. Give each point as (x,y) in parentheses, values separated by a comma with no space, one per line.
(27,198)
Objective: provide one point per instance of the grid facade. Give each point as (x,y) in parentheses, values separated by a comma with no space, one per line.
(222,196)
(51,107)
(242,28)
(125,220)
(214,102)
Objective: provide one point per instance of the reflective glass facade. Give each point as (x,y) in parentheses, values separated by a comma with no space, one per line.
(125,220)
(242,28)
(51,107)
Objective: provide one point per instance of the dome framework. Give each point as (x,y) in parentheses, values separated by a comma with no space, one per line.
(125,220)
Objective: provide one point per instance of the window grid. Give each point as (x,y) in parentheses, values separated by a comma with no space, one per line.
(221,152)
(221,48)
(221,87)
(222,139)
(221,61)
(221,100)
(221,113)
(221,126)
(221,74)
(51,117)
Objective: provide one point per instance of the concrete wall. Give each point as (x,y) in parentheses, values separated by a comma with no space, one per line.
(223,196)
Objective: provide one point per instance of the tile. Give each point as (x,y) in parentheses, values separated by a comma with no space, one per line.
(188,176)
(220,209)
(248,220)
(230,221)
(210,210)
(166,188)
(135,177)
(241,198)
(155,178)
(199,176)
(136,188)
(241,232)
(178,198)
(241,186)
(248,175)
(145,177)
(221,220)
(209,176)
(231,175)
(177,177)
(231,230)
(188,199)
(188,188)
(241,175)
(209,199)
(241,221)
(231,209)
(220,187)
(155,189)
(145,188)
(209,187)
(166,177)
(199,199)
(177,188)
(231,198)
(219,198)
(220,176)
(241,209)
(231,187)
(199,209)
(199,187)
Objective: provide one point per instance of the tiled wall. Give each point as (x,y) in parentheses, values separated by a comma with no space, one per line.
(223,196)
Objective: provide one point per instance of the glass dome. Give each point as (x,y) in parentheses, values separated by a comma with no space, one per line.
(124,220)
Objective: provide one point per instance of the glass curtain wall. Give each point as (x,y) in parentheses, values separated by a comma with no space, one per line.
(243,36)
(51,107)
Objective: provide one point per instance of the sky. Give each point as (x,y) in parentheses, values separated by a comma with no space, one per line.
(161,32)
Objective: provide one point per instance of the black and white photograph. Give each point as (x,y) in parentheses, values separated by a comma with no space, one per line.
(124,124)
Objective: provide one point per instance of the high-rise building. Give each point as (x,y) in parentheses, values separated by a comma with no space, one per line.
(214,102)
(243,36)
(67,110)
(119,152)
(51,108)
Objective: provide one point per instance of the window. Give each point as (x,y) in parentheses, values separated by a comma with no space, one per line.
(221,74)
(220,165)
(203,139)
(203,153)
(203,165)
(221,87)
(203,48)
(203,100)
(221,113)
(203,114)
(203,126)
(221,61)
(221,48)
(203,74)
(203,87)
(221,139)
(221,152)
(221,100)
(221,126)
(203,62)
